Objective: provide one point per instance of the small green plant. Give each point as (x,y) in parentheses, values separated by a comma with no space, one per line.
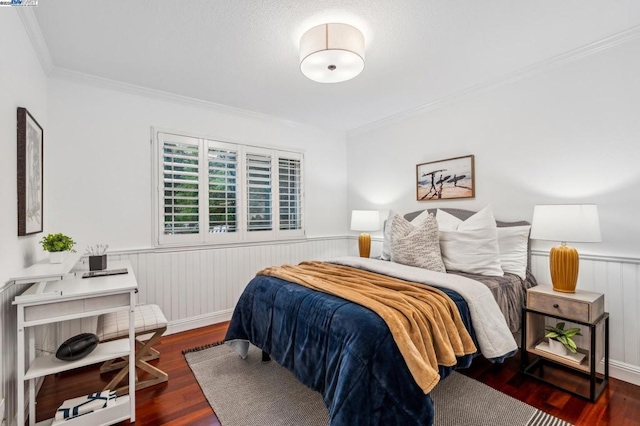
(563,336)
(57,242)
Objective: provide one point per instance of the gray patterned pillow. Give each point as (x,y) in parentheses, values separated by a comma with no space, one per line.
(416,245)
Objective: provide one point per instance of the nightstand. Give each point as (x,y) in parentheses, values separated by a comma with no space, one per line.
(582,308)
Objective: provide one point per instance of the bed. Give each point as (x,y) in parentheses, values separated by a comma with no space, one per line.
(509,290)
(346,351)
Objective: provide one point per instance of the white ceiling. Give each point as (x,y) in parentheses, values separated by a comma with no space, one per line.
(244,53)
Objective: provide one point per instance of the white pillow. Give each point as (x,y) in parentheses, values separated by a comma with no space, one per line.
(470,246)
(386,242)
(422,218)
(513,242)
(416,245)
(447,221)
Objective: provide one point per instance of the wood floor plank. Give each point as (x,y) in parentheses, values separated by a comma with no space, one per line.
(180,401)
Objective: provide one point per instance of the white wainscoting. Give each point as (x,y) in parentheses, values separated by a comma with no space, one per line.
(194,287)
(201,287)
(8,347)
(198,287)
(619,279)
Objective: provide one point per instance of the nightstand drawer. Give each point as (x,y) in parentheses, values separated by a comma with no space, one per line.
(568,305)
(556,306)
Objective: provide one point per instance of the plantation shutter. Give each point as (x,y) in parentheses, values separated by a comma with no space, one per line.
(214,192)
(223,190)
(259,193)
(180,171)
(290,193)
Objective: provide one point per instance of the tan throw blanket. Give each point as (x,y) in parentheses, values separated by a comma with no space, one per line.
(424,322)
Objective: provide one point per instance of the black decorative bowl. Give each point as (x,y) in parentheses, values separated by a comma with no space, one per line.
(77,347)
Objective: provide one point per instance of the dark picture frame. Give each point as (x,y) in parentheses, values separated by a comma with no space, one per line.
(446,179)
(30,173)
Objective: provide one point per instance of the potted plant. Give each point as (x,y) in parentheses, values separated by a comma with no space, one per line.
(59,246)
(560,340)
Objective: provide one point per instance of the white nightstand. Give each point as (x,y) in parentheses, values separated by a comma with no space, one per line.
(583,308)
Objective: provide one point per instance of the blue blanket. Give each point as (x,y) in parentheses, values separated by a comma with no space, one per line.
(341,349)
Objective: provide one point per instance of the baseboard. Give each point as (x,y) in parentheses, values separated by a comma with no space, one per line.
(625,372)
(198,321)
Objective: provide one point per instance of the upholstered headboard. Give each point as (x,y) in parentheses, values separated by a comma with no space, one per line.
(464,215)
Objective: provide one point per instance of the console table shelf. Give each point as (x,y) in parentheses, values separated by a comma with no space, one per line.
(118,412)
(49,364)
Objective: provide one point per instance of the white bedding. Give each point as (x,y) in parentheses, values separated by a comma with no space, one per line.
(493,334)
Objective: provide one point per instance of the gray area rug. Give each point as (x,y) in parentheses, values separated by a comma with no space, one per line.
(250,392)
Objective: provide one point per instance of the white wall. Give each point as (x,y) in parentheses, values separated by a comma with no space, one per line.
(97,173)
(570,134)
(99,191)
(22,84)
(99,179)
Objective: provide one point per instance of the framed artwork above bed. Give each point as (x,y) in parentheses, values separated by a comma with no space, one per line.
(446,179)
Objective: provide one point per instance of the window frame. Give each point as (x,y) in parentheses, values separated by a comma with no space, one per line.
(204,237)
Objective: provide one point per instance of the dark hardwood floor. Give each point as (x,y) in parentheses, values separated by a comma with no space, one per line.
(176,402)
(181,402)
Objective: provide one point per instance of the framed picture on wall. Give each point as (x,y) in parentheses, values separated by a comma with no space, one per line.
(446,179)
(30,174)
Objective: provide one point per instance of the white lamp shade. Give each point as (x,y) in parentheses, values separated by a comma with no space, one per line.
(365,220)
(331,53)
(577,223)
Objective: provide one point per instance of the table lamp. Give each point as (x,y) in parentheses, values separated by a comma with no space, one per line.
(365,220)
(574,223)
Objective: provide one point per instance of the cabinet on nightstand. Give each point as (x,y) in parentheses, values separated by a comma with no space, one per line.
(583,308)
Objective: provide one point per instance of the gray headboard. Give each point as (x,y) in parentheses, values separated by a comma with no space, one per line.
(464,215)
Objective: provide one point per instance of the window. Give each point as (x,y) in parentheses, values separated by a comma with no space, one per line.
(259,188)
(290,190)
(218,192)
(181,187)
(223,194)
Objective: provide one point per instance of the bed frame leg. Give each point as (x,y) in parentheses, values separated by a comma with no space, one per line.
(497,367)
(265,357)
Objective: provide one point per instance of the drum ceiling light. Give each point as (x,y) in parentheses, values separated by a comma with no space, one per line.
(331,53)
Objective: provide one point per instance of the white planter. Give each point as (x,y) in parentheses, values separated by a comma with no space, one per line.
(58,256)
(558,348)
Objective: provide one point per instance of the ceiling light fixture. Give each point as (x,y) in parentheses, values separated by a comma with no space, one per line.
(331,53)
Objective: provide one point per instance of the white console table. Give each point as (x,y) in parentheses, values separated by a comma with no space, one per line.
(68,298)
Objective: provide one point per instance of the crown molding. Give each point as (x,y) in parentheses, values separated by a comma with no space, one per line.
(32,28)
(526,72)
(132,89)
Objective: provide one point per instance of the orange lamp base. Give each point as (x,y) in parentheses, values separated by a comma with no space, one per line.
(364,244)
(563,263)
